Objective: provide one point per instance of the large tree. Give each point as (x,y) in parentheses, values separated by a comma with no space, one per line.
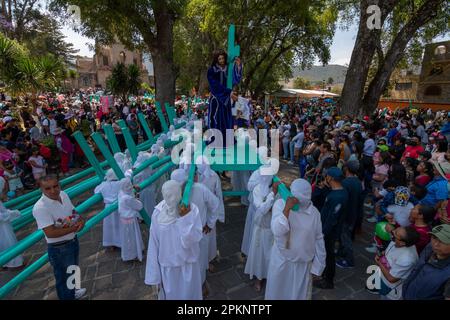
(273,35)
(406,26)
(27,22)
(26,75)
(300,83)
(141,24)
(124,80)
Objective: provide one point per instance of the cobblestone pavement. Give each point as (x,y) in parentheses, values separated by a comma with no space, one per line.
(106,277)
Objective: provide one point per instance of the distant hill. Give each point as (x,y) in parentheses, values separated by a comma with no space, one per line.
(319,73)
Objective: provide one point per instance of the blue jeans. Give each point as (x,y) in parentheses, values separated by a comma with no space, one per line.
(291,150)
(61,257)
(285,149)
(302,163)
(346,248)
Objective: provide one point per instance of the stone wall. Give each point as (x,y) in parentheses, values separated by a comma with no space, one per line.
(434,85)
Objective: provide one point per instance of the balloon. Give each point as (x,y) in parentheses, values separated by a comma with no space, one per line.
(380,231)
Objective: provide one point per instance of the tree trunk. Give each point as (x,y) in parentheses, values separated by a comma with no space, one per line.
(381,80)
(362,55)
(162,55)
(203,84)
(10,11)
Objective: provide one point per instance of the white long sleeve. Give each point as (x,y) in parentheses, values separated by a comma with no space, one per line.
(153,268)
(318,264)
(190,228)
(280,224)
(263,205)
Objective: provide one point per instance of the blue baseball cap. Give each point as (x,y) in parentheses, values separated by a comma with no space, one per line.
(335,173)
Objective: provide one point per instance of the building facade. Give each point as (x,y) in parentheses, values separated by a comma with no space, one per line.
(405,84)
(434,83)
(94,72)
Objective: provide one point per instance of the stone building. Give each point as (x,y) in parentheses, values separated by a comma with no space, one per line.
(93,72)
(405,84)
(434,83)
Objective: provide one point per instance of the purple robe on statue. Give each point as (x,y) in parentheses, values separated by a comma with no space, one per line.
(219,110)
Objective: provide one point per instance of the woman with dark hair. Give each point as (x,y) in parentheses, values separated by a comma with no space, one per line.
(398,174)
(221,98)
(439,154)
(425,173)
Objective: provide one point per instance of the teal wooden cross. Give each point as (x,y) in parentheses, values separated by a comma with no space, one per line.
(233,52)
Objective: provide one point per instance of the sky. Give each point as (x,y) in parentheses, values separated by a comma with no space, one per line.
(341,49)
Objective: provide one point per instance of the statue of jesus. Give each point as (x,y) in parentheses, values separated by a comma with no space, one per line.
(222,98)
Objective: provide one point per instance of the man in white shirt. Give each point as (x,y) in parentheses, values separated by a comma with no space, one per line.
(63,248)
(397,262)
(49,124)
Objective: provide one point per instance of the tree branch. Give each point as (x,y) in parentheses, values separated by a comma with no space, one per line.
(379,83)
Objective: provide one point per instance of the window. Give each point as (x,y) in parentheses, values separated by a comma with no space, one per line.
(433,91)
(436,70)
(440,50)
(135,61)
(403,86)
(86,81)
(105,60)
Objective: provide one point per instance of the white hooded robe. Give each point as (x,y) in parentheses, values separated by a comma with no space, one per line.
(173,256)
(298,250)
(7,236)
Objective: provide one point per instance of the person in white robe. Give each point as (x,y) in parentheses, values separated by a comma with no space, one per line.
(112,228)
(187,157)
(212,181)
(239,179)
(299,249)
(262,239)
(122,161)
(173,258)
(147,195)
(7,235)
(129,207)
(171,132)
(253,181)
(207,204)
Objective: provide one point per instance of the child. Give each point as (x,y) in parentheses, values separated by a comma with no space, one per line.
(37,163)
(398,213)
(381,164)
(12,175)
(7,236)
(410,165)
(129,207)
(421,217)
(109,189)
(262,237)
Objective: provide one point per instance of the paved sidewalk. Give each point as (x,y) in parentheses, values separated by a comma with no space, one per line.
(105,276)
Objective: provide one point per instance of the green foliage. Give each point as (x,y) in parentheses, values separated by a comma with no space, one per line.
(330,80)
(131,22)
(37,30)
(273,35)
(146,87)
(124,80)
(48,141)
(24,73)
(300,83)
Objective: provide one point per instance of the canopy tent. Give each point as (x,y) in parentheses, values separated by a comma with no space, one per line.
(301,93)
(293,95)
